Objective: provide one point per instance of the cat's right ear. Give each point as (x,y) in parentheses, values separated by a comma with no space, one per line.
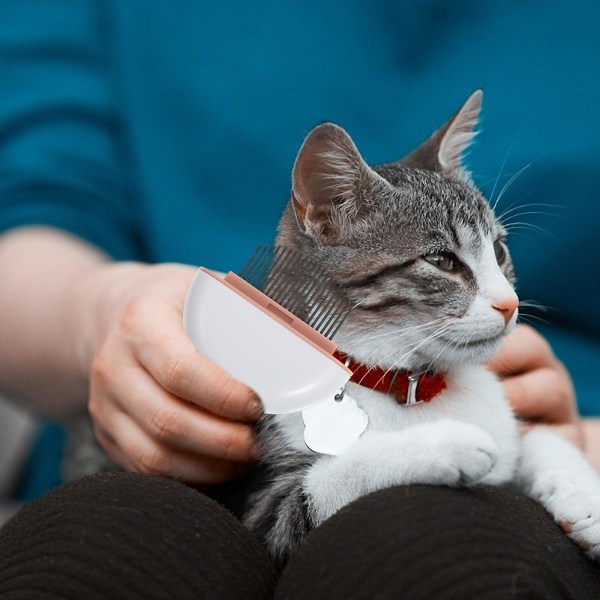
(445,147)
(329,174)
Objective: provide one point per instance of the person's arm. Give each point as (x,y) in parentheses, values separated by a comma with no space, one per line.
(77,329)
(59,167)
(45,310)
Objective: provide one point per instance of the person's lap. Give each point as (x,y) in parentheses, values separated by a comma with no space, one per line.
(126,536)
(424,543)
(131,536)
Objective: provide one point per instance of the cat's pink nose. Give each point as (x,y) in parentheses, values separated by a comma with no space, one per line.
(507,307)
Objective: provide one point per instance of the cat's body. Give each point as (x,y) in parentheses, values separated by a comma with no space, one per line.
(416,246)
(466,435)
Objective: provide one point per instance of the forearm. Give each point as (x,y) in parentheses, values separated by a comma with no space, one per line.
(591,432)
(45,317)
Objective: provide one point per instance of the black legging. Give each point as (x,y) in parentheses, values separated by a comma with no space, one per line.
(118,536)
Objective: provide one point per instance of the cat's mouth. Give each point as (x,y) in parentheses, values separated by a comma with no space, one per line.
(479,342)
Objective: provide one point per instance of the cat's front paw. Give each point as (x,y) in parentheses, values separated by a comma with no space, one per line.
(465,453)
(575,508)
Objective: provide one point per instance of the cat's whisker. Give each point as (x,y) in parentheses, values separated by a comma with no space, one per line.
(509,224)
(529,318)
(394,364)
(384,335)
(438,334)
(372,368)
(500,173)
(395,332)
(523,225)
(426,340)
(430,325)
(511,181)
(516,205)
(413,348)
(535,304)
(512,209)
(434,360)
(408,330)
(529,212)
(516,232)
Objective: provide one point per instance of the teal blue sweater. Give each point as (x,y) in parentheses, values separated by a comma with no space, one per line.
(166,131)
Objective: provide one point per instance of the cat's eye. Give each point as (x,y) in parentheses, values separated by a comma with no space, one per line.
(443,261)
(500,251)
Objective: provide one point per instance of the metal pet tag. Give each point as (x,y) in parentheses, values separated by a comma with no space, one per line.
(331,427)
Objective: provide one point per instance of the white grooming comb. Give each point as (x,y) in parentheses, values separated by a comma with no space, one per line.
(278,340)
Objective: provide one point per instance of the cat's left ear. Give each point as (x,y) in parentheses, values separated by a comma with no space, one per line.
(445,147)
(330,182)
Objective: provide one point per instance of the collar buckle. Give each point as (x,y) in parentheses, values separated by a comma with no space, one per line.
(413,384)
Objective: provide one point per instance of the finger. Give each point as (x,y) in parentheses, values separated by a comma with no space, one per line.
(162,347)
(540,395)
(137,452)
(112,449)
(176,423)
(524,349)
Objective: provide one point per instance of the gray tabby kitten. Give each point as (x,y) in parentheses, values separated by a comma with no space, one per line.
(417,247)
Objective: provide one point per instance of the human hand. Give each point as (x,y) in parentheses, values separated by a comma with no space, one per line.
(157,405)
(537,384)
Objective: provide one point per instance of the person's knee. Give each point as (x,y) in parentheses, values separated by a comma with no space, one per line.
(106,535)
(437,542)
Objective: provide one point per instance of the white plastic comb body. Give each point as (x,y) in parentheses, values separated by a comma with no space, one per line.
(261,344)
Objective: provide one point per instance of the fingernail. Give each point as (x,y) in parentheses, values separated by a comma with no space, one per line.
(255,409)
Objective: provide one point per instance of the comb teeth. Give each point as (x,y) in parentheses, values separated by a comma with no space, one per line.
(299,286)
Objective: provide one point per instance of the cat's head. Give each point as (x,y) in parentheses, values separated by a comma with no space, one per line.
(413,243)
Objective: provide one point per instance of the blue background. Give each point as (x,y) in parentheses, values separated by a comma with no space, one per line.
(166,131)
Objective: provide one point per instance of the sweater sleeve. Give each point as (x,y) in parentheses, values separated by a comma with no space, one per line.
(61,162)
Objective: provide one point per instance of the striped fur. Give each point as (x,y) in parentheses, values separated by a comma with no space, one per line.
(367,229)
(280,511)
(420,251)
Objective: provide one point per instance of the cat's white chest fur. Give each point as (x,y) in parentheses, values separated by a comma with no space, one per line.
(467,434)
(473,395)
